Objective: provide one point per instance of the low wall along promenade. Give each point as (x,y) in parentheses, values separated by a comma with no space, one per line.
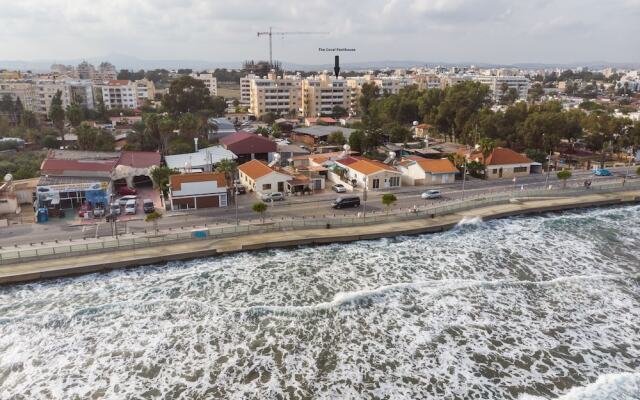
(50,260)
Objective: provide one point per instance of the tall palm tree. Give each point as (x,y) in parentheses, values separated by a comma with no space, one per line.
(228,168)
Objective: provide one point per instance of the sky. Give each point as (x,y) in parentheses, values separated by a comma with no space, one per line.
(482,31)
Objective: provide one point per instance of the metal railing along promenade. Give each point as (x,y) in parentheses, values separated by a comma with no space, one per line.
(75,247)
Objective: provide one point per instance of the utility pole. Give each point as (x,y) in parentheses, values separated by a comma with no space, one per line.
(464,176)
(270,33)
(364,197)
(546,181)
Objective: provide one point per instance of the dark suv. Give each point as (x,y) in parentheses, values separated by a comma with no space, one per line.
(147,206)
(346,202)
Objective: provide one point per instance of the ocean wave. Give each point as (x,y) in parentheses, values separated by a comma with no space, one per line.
(621,386)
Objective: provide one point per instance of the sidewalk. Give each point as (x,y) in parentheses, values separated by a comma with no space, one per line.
(209,247)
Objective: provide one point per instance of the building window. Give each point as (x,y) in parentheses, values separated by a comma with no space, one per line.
(266,186)
(376,183)
(520,169)
(494,171)
(394,181)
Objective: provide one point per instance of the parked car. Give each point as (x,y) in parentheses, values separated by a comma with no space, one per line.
(339,188)
(126,191)
(431,194)
(346,202)
(114,208)
(241,189)
(98,212)
(276,196)
(147,206)
(124,199)
(602,172)
(131,207)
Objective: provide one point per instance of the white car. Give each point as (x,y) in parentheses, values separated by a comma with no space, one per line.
(431,194)
(125,199)
(114,208)
(131,207)
(339,188)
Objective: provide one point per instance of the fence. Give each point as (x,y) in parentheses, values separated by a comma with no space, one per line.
(59,249)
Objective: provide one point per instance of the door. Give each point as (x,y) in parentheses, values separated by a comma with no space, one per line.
(376,184)
(500,173)
(317,184)
(281,187)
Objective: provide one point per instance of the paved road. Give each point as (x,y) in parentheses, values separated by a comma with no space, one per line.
(307,206)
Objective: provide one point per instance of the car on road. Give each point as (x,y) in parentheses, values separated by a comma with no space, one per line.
(339,188)
(602,172)
(126,191)
(346,202)
(114,208)
(124,199)
(131,207)
(241,189)
(98,212)
(275,196)
(431,194)
(147,206)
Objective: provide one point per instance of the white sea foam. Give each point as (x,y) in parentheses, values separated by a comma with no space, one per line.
(536,305)
(466,220)
(623,386)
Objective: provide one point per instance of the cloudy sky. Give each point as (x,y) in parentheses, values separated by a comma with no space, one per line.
(492,31)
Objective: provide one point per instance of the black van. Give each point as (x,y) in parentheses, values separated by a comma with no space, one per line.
(346,202)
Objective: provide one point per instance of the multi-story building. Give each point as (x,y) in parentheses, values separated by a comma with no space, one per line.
(119,94)
(84,70)
(80,91)
(278,95)
(145,90)
(23,90)
(496,83)
(210,81)
(321,94)
(46,89)
(428,81)
(106,72)
(245,89)
(393,84)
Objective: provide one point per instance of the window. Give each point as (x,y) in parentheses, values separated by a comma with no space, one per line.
(376,183)
(394,181)
(266,186)
(520,169)
(494,171)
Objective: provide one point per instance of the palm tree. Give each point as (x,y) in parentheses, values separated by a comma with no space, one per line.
(228,168)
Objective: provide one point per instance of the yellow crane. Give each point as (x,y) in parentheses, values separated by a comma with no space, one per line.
(271,33)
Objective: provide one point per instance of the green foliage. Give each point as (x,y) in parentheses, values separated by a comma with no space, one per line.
(260,208)
(23,165)
(268,118)
(336,138)
(276,131)
(228,168)
(339,111)
(160,177)
(94,139)
(56,112)
(153,217)
(357,140)
(186,94)
(388,199)
(50,142)
(638,171)
(189,125)
(180,145)
(564,174)
(536,155)
(75,114)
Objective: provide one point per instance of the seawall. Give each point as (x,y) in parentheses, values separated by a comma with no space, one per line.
(102,262)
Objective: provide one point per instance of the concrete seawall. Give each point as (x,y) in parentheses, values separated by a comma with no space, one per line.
(91,263)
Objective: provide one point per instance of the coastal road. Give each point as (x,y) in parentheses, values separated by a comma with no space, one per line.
(317,205)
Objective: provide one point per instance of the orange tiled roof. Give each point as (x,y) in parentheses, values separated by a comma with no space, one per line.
(369,167)
(501,156)
(255,169)
(178,180)
(441,166)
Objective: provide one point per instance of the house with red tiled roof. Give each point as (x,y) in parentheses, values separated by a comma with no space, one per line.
(503,163)
(373,174)
(197,190)
(422,171)
(257,176)
(249,146)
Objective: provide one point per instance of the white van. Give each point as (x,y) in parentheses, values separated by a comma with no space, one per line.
(131,207)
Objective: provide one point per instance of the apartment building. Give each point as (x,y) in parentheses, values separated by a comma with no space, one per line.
(46,89)
(84,70)
(278,95)
(23,90)
(145,90)
(393,84)
(321,94)
(106,72)
(119,94)
(210,81)
(428,81)
(245,89)
(496,82)
(80,91)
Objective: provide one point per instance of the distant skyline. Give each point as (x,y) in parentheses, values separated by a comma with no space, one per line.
(482,31)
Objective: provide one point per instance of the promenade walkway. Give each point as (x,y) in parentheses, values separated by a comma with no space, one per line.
(50,268)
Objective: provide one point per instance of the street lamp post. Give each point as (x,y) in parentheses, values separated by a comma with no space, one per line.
(546,181)
(364,197)
(464,176)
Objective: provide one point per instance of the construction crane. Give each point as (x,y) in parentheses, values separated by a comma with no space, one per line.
(271,33)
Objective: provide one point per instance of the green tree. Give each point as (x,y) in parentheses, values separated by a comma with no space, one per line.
(564,175)
(50,142)
(336,138)
(160,177)
(260,208)
(228,168)
(338,111)
(368,94)
(189,125)
(56,112)
(357,140)
(154,217)
(186,94)
(94,139)
(276,131)
(75,114)
(388,199)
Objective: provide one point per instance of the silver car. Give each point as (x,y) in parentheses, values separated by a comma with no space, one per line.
(276,196)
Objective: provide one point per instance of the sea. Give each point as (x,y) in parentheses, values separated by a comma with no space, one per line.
(537,307)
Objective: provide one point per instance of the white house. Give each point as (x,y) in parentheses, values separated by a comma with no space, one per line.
(374,174)
(197,190)
(257,176)
(422,171)
(503,163)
